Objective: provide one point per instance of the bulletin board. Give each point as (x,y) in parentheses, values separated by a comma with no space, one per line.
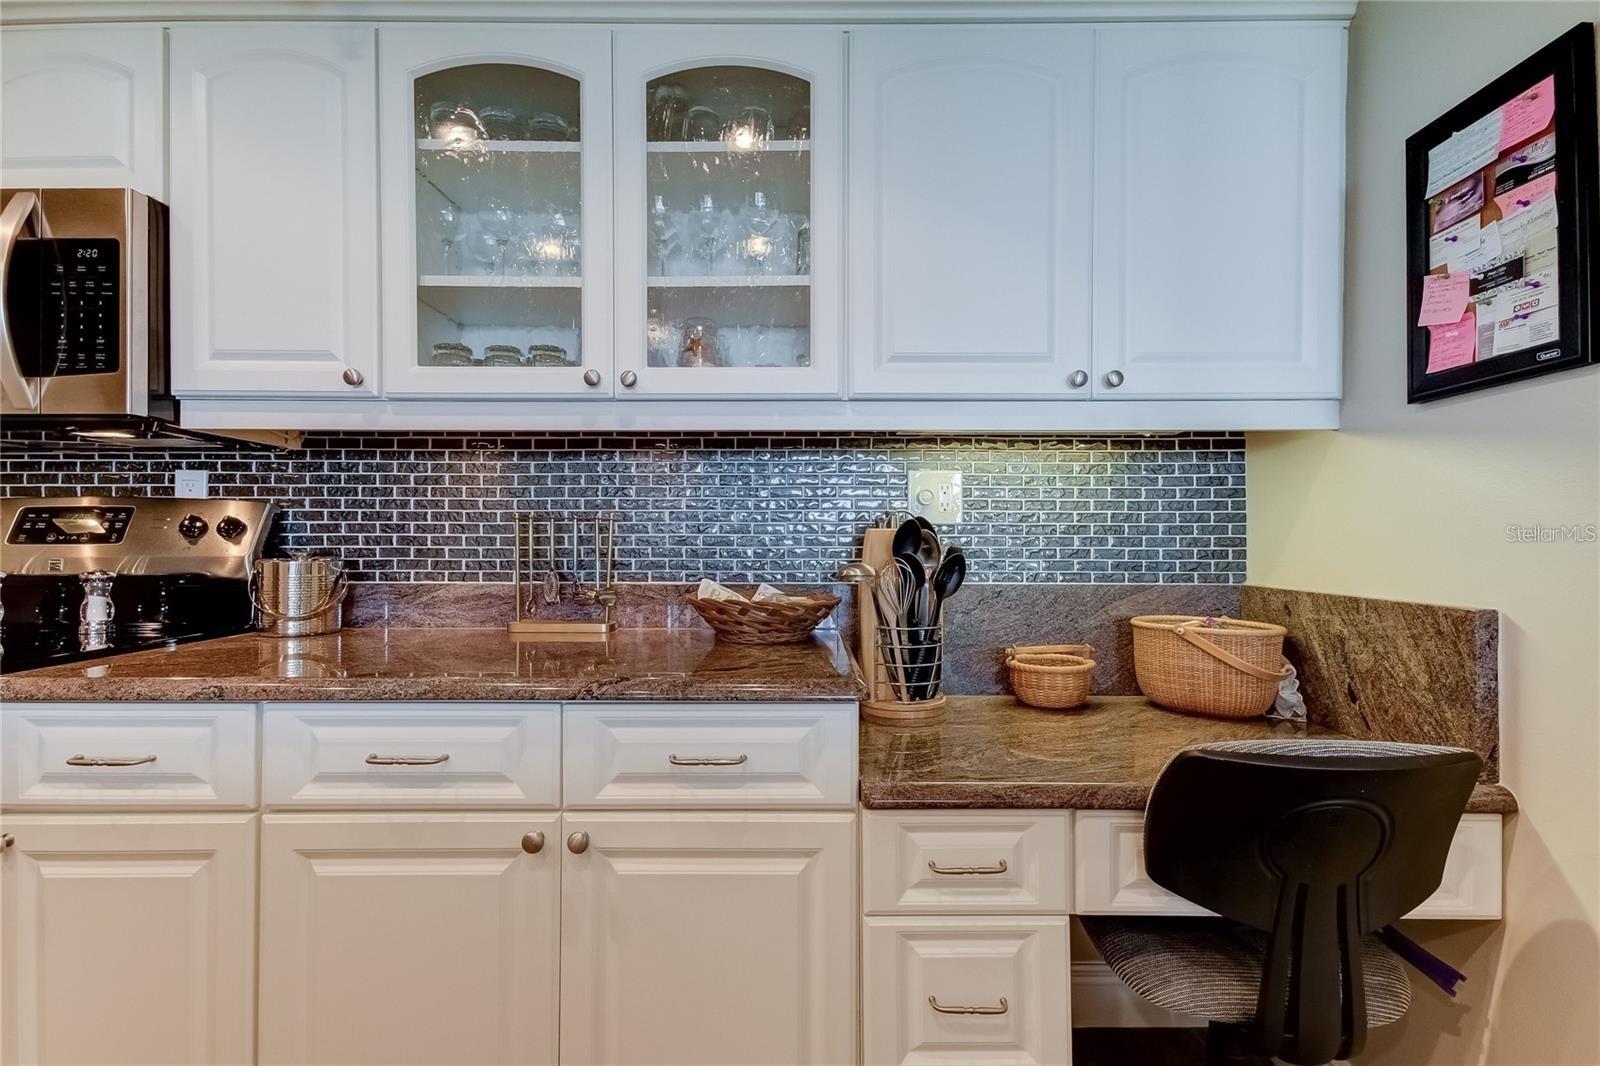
(1502,193)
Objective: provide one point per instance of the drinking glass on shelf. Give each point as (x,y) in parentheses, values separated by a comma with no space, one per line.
(485,249)
(498,220)
(708,232)
(450,353)
(699,346)
(503,355)
(454,123)
(665,112)
(665,235)
(766,237)
(701,123)
(499,123)
(549,126)
(452,227)
(749,130)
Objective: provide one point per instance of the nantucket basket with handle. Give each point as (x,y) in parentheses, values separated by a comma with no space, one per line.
(1221,667)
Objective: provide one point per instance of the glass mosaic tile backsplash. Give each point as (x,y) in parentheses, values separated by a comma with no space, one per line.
(1160,509)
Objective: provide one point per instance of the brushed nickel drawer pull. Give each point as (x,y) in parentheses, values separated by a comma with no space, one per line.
(110,760)
(1001,1009)
(707,760)
(406,760)
(998,868)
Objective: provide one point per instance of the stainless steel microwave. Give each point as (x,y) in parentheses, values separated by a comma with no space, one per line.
(84,287)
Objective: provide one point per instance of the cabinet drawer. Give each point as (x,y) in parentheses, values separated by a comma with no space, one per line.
(129,755)
(966,990)
(411,755)
(1111,879)
(698,755)
(965,862)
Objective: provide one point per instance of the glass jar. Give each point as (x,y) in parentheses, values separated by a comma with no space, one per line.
(503,355)
(547,355)
(451,353)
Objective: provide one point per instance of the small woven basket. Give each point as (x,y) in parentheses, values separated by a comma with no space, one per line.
(1220,667)
(1053,681)
(766,621)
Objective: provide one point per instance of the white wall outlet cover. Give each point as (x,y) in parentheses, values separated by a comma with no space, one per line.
(935,495)
(191,484)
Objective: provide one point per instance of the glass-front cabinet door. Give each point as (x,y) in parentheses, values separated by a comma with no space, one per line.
(496,145)
(729,153)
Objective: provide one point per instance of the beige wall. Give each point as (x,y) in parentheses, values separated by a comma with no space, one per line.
(1413,503)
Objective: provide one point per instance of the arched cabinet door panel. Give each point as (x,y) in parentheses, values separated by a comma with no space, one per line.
(969,211)
(496,147)
(730,202)
(274,214)
(82,107)
(1219,211)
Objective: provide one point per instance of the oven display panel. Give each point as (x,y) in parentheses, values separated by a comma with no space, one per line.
(70,525)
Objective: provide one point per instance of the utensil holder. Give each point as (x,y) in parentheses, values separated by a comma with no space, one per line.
(907,682)
(550,576)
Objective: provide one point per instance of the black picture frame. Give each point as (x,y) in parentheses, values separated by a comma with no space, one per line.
(1570,59)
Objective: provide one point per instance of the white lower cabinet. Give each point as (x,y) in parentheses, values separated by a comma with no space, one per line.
(708,938)
(409,938)
(128,938)
(970,991)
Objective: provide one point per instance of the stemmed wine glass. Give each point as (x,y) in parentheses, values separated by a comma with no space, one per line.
(664,235)
(708,234)
(452,227)
(498,220)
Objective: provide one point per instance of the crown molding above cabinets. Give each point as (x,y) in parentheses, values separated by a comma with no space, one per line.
(1103,221)
(836,12)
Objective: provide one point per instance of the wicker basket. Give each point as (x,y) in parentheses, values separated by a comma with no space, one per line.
(1226,669)
(1082,651)
(1055,682)
(766,621)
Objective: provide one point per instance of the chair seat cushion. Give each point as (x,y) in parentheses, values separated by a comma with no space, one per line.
(1211,967)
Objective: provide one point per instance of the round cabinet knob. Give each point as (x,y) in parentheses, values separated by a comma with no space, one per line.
(1113,378)
(1078,378)
(591,378)
(533,843)
(578,843)
(352,376)
(629,379)
(6,841)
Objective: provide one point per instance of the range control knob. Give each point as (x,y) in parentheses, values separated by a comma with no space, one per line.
(231,528)
(192,528)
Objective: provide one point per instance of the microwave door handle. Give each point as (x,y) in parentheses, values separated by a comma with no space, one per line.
(13,220)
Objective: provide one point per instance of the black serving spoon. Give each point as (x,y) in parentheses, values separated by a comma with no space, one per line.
(947,579)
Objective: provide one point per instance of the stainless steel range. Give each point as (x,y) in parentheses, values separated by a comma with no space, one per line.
(98,575)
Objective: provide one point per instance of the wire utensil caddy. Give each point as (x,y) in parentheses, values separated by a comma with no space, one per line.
(911,666)
(564,576)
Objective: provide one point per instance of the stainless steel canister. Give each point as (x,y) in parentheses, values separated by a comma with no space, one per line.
(301,596)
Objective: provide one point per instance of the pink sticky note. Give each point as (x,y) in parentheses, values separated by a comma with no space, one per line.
(1526,194)
(1444,297)
(1453,344)
(1528,114)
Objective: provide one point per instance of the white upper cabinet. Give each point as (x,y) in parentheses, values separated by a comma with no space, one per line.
(730,156)
(969,211)
(1218,211)
(82,107)
(496,146)
(274,214)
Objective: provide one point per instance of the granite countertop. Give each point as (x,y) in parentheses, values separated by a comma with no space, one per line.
(456,664)
(991,751)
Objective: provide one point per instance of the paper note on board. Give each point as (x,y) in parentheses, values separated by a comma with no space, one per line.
(1451,247)
(1472,149)
(1444,297)
(1525,196)
(1525,164)
(1519,229)
(1529,113)
(1488,250)
(1452,344)
(1539,252)
(1527,330)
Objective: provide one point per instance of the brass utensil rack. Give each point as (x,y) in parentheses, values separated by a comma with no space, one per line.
(564,576)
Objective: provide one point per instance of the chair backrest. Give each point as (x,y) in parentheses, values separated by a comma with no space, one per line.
(1316,842)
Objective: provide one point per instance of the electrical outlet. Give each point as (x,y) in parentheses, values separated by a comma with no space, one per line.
(935,495)
(191,484)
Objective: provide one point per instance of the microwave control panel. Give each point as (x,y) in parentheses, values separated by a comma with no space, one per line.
(80,309)
(70,525)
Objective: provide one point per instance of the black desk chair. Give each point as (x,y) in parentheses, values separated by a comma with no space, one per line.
(1306,849)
